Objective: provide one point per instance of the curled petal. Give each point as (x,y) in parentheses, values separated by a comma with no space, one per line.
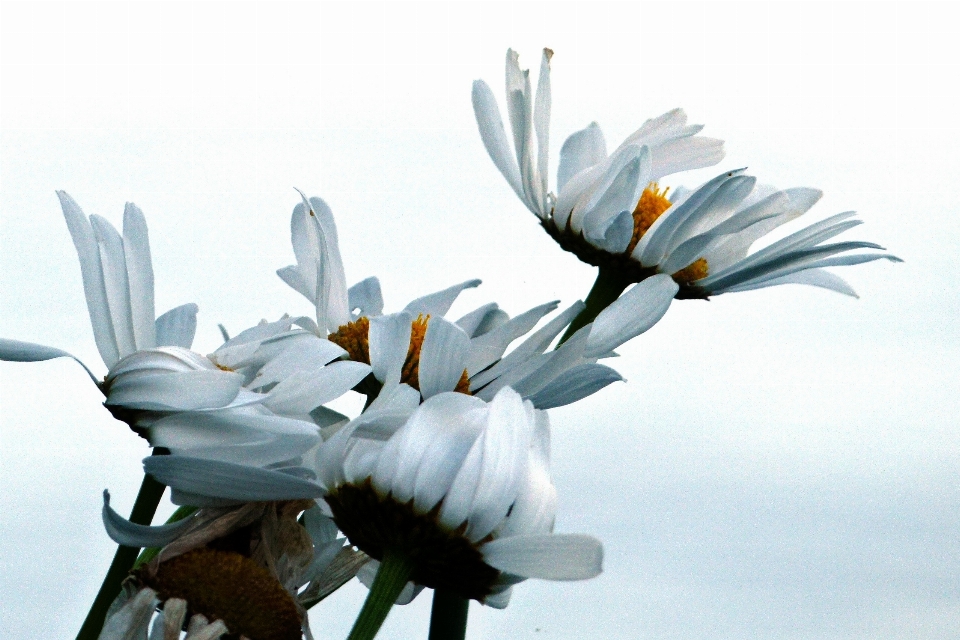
(128,534)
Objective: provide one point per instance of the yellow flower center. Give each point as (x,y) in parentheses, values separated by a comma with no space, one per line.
(354,338)
(653,202)
(692,272)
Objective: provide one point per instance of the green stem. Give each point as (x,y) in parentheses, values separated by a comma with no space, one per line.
(609,285)
(143,510)
(391,577)
(448,617)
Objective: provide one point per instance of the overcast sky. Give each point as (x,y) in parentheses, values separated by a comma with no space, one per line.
(781,463)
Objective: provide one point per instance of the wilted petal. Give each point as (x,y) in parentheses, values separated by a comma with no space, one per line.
(126,533)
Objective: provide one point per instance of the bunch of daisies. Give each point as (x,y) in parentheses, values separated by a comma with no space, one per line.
(443,480)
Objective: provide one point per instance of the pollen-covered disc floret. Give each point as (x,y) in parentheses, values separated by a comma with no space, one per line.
(354,338)
(459,487)
(611,212)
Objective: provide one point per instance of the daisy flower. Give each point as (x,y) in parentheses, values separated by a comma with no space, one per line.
(612,212)
(455,491)
(255,568)
(422,349)
(235,431)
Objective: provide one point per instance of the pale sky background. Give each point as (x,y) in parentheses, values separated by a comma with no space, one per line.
(781,463)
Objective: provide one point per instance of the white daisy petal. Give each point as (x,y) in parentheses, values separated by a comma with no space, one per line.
(575,384)
(529,380)
(576,190)
(782,264)
(506,441)
(499,600)
(613,190)
(444,452)
(433,429)
(126,533)
(132,620)
(227,480)
(389,339)
(534,345)
(177,327)
(366,297)
(487,348)
(494,135)
(684,154)
(316,245)
(805,238)
(304,354)
(117,284)
(652,247)
(139,266)
(481,319)
(658,129)
(548,557)
(291,275)
(581,150)
(94,287)
(443,357)
(615,238)
(18,351)
(247,437)
(303,391)
(438,303)
(184,391)
(541,120)
(631,314)
(812,277)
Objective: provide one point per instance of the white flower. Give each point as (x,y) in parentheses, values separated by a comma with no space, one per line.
(235,429)
(298,551)
(256,566)
(118,284)
(431,354)
(459,487)
(602,187)
(611,212)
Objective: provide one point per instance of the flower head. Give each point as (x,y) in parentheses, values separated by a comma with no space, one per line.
(613,211)
(430,354)
(256,567)
(458,487)
(237,422)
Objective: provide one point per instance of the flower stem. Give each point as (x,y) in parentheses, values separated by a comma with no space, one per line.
(609,285)
(392,576)
(143,510)
(448,617)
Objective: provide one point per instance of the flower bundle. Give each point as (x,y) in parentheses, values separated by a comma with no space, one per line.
(443,480)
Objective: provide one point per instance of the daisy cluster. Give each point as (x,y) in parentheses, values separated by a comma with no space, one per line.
(443,480)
